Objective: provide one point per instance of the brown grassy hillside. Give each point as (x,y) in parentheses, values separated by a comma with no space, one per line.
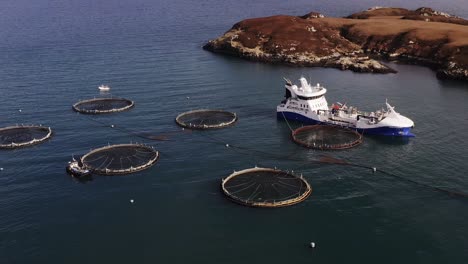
(347,43)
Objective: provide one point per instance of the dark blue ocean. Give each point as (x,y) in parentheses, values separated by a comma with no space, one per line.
(56,52)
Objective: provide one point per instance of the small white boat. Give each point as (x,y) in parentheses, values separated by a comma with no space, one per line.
(103,87)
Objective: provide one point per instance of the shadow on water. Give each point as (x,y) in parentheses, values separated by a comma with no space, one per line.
(83,179)
(453,84)
(388,140)
(293,124)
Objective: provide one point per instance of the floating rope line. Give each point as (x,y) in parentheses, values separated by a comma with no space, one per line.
(287,122)
(255,153)
(336,161)
(159,137)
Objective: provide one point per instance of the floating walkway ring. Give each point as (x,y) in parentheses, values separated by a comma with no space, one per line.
(206,119)
(103,105)
(265,187)
(120,159)
(22,136)
(326,137)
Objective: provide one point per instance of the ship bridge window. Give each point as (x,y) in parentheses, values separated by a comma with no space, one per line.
(309,97)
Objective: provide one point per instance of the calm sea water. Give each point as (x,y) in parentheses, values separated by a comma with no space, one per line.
(54,53)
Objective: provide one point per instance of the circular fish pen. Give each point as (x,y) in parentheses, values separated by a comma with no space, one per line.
(206,119)
(326,137)
(103,105)
(265,187)
(119,159)
(22,136)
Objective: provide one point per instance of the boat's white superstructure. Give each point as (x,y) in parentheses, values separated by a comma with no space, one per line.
(307,104)
(103,88)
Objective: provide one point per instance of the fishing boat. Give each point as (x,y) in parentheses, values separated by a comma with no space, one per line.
(75,168)
(307,104)
(103,88)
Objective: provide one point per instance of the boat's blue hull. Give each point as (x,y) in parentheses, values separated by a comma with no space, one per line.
(383,131)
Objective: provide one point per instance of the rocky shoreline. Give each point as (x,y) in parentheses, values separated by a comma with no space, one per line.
(422,36)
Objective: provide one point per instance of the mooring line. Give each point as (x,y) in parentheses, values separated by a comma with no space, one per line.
(261,154)
(374,169)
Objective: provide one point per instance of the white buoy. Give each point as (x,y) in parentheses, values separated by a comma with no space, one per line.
(112,126)
(20,110)
(131,201)
(227,145)
(312,244)
(188,97)
(1,169)
(374,169)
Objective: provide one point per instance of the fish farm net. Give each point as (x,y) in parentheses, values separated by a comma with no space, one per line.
(22,136)
(206,119)
(265,187)
(120,159)
(326,137)
(103,105)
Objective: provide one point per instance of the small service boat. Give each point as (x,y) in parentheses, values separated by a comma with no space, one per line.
(103,88)
(75,168)
(307,104)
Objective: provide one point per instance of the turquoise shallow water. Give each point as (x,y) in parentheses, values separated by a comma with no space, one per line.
(54,53)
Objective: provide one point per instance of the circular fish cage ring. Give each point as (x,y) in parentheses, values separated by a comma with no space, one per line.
(265,187)
(326,137)
(103,105)
(119,159)
(22,136)
(206,119)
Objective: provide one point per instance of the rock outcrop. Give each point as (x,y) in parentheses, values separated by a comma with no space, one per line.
(424,13)
(354,42)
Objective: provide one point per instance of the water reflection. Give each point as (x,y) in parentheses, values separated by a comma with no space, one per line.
(388,140)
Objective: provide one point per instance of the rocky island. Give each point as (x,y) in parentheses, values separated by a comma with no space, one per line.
(422,36)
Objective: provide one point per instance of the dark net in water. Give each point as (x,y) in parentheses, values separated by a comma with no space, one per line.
(206,119)
(21,136)
(326,137)
(265,187)
(120,159)
(103,105)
